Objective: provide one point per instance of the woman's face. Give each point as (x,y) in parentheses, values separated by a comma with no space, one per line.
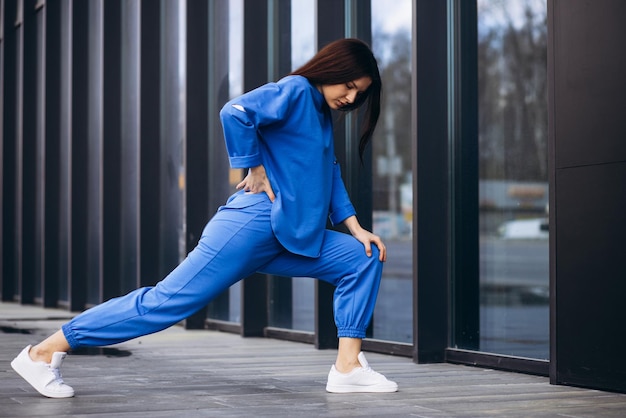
(339,95)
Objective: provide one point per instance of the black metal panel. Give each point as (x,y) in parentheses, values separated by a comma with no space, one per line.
(64,230)
(197,190)
(587,220)
(27,159)
(2,149)
(9,75)
(78,145)
(150,153)
(39,158)
(500,362)
(129,113)
(589,84)
(464,168)
(431,164)
(95,157)
(255,48)
(254,312)
(52,107)
(111,148)
(330,27)
(552,196)
(590,272)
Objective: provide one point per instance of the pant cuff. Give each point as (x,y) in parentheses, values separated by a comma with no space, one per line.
(69,336)
(351,333)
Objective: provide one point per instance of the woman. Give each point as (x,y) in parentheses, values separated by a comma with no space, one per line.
(282,133)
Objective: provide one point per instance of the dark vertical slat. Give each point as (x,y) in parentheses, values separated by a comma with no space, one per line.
(111,149)
(465,252)
(95,152)
(330,26)
(149,147)
(50,279)
(2,197)
(430,179)
(78,146)
(130,185)
(254,288)
(39,156)
(26,158)
(9,91)
(197,190)
(552,195)
(64,249)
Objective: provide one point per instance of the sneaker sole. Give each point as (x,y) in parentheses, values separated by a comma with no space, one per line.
(14,366)
(361,389)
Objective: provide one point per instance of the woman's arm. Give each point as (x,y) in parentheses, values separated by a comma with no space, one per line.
(257,182)
(366,237)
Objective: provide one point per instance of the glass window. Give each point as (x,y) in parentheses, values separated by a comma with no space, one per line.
(227,306)
(292,300)
(392,181)
(513,177)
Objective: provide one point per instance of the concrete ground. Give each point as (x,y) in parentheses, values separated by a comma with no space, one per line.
(181,373)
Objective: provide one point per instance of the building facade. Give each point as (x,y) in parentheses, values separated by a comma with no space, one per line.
(496,174)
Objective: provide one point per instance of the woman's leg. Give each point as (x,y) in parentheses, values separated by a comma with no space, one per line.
(53,344)
(344,264)
(233,245)
(347,354)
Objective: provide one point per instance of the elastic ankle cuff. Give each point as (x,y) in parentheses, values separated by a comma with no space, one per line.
(351,333)
(69,336)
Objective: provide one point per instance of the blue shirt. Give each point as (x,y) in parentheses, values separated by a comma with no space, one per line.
(287,127)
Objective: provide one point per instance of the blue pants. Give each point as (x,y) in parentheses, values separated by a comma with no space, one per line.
(237,242)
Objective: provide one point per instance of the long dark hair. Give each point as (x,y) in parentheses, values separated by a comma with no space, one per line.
(343,61)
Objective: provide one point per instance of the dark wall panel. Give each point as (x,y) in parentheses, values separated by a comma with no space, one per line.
(591,276)
(588,226)
(431,163)
(589,87)
(26,160)
(9,91)
(51,203)
(111,182)
(149,149)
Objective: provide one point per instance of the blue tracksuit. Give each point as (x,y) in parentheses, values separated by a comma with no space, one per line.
(287,127)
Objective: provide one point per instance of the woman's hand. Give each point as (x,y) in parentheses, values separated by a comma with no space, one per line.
(257,182)
(366,238)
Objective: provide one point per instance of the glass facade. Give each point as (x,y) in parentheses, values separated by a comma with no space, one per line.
(482,200)
(513,177)
(392,170)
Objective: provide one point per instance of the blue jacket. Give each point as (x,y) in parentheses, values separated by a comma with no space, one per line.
(287,127)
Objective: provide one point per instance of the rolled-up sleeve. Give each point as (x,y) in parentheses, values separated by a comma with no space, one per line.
(244,116)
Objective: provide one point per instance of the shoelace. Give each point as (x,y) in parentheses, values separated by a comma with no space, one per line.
(369,369)
(57,375)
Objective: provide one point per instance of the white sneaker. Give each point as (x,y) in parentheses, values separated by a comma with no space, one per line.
(361,379)
(45,378)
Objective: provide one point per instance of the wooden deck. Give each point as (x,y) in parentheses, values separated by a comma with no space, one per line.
(178,373)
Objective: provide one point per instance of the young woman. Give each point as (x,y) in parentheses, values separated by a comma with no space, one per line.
(283,134)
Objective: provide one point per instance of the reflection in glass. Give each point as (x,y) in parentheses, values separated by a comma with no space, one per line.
(513,178)
(392,182)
